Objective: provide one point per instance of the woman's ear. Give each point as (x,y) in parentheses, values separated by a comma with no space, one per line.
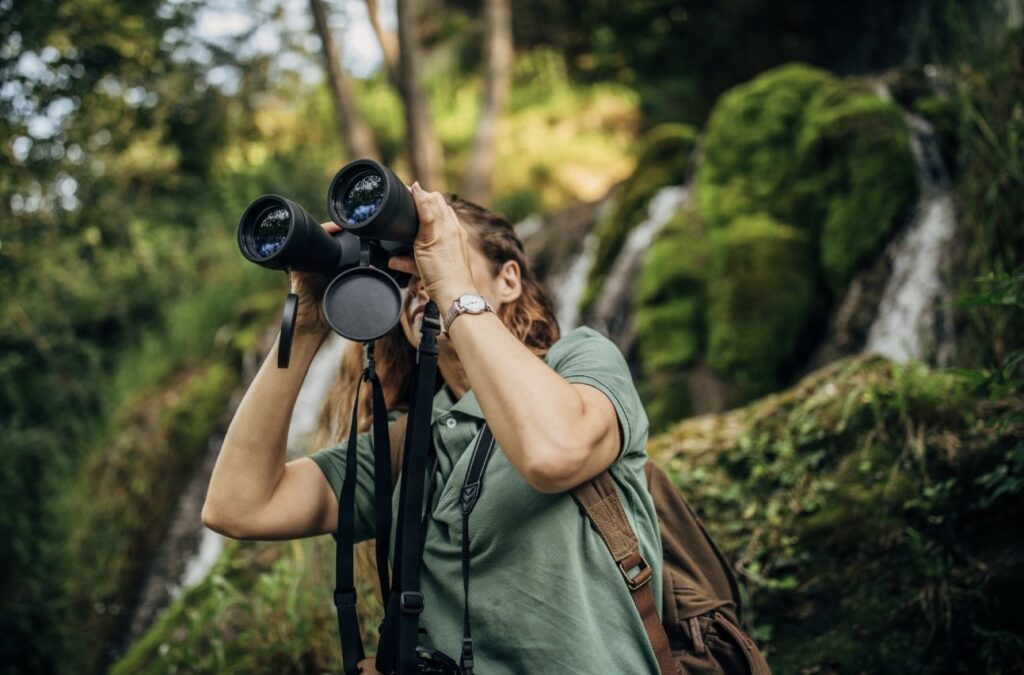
(509,282)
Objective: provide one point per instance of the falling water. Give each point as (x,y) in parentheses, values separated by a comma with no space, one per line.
(907,315)
(572,283)
(609,312)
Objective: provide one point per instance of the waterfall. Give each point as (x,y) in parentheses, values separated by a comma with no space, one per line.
(611,309)
(570,285)
(909,314)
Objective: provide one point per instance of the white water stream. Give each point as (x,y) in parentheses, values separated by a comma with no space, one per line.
(615,294)
(910,316)
(569,287)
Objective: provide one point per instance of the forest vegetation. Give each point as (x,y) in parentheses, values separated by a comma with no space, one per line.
(870,504)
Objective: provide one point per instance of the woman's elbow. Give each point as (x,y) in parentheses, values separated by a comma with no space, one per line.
(217,520)
(557,470)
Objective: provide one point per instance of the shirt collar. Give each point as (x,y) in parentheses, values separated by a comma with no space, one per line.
(444,403)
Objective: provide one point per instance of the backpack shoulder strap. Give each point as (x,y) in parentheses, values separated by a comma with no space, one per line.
(599,499)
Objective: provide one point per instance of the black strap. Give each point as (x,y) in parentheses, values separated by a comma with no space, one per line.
(344,585)
(471,489)
(406,600)
(381,477)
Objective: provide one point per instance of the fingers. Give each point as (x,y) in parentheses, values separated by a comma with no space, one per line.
(403,263)
(331,227)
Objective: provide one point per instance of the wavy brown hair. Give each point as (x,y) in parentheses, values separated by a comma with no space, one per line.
(395,360)
(531,318)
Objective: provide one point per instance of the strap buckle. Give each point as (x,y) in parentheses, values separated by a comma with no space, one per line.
(644,572)
(411,602)
(345,597)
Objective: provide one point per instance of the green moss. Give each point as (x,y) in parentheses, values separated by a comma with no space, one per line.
(750,163)
(760,296)
(663,160)
(867,505)
(859,180)
(129,491)
(666,398)
(827,156)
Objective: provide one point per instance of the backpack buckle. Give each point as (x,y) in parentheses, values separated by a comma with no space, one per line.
(643,571)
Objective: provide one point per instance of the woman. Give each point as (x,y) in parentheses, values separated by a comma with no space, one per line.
(546,596)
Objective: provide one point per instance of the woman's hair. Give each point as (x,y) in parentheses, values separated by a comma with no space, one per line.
(395,359)
(531,318)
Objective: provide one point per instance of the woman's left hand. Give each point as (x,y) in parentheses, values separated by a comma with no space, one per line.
(441,250)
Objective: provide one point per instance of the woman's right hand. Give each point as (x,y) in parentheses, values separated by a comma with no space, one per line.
(309,286)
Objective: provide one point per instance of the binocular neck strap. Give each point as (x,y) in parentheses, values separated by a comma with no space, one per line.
(344,585)
(345,592)
(400,632)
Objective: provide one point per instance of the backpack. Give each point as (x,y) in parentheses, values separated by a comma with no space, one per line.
(698,632)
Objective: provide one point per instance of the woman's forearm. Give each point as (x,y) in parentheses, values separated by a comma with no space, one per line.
(252,458)
(553,433)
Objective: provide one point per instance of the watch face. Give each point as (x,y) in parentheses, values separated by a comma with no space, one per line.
(472,303)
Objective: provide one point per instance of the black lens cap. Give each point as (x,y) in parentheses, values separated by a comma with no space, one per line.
(363,303)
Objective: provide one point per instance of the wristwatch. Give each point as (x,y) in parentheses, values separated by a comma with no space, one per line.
(467,303)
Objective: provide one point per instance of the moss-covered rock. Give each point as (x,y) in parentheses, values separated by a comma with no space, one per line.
(760,288)
(858,177)
(870,513)
(749,162)
(669,296)
(663,160)
(825,155)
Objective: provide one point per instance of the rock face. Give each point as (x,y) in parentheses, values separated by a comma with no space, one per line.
(868,511)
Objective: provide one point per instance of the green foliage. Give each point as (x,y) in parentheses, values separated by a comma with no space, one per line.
(127,492)
(265,608)
(760,295)
(868,505)
(990,192)
(662,160)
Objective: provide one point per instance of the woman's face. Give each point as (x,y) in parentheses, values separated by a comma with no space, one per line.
(414,298)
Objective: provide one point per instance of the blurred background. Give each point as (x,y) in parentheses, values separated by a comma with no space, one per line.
(802,222)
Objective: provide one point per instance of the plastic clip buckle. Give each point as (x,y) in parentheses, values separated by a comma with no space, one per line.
(467,653)
(344,598)
(411,602)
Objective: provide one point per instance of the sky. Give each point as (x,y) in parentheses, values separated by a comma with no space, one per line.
(221,19)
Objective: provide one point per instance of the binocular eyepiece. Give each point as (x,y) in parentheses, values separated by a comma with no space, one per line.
(378,219)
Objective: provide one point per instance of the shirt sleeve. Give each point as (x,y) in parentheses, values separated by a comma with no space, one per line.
(584,356)
(332,462)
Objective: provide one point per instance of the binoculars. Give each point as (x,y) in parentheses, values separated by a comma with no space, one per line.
(378,219)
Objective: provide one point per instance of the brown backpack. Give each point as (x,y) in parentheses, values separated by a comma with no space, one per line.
(698,633)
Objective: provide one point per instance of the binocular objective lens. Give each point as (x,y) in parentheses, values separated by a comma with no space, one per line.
(270,232)
(363,198)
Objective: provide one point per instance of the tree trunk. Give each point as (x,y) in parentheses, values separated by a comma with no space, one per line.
(498,17)
(424,148)
(388,44)
(355,133)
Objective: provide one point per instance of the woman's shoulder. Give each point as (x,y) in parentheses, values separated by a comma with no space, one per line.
(584,343)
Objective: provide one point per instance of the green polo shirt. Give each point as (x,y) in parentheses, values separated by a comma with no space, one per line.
(545,595)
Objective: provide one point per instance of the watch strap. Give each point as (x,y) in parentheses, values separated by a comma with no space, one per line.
(456,310)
